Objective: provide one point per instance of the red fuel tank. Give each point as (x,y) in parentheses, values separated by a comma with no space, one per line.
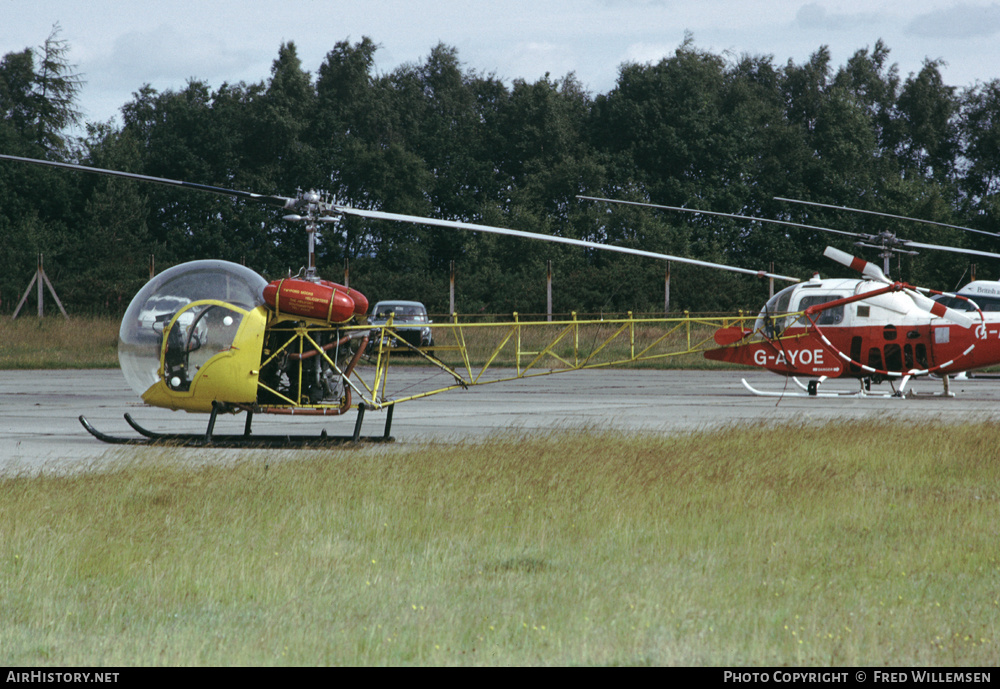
(320,300)
(360,300)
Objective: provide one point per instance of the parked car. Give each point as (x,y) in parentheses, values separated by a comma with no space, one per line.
(410,322)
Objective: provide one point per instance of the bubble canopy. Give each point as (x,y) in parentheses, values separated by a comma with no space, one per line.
(140,340)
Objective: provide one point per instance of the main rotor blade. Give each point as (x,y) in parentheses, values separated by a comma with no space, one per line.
(288,203)
(787,223)
(953,249)
(854,263)
(279,201)
(924,303)
(938,309)
(885,215)
(454,224)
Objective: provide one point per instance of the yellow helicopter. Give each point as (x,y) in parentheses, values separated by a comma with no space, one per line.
(210,336)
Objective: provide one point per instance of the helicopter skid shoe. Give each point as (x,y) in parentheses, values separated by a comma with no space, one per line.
(111,439)
(946,392)
(243,440)
(811,386)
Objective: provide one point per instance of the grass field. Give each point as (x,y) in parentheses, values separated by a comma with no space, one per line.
(848,544)
(55,342)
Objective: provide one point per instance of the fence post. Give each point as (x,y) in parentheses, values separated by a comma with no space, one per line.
(666,292)
(40,277)
(548,288)
(517,343)
(576,341)
(41,293)
(631,335)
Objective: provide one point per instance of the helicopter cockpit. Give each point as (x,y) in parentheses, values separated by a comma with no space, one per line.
(779,311)
(771,319)
(183,318)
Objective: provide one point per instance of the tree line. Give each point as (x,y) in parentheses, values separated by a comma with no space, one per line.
(435,138)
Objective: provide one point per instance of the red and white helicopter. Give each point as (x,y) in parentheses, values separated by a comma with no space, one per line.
(871,329)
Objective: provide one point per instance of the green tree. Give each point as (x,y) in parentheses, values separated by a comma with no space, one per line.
(38,92)
(928,110)
(979,179)
(874,84)
(363,137)
(37,104)
(55,93)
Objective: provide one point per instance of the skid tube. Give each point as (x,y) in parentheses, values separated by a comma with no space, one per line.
(246,439)
(812,390)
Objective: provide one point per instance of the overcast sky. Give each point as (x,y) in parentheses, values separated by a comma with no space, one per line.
(118,46)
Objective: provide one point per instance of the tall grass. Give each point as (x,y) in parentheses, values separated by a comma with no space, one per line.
(55,342)
(863,543)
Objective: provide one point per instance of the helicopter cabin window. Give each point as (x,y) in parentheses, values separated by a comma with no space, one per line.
(202,330)
(771,319)
(985,304)
(831,316)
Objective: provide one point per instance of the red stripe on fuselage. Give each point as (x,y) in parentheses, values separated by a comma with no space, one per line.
(921,345)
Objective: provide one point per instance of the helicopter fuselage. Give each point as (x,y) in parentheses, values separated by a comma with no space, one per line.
(884,335)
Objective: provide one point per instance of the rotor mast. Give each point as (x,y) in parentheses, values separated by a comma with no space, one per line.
(317,210)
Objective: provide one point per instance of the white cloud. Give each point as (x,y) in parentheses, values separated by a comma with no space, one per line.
(956,22)
(643,53)
(815,16)
(167,54)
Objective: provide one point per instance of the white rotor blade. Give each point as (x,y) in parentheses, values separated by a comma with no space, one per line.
(938,309)
(924,303)
(279,201)
(885,301)
(864,267)
(455,224)
(888,215)
(734,216)
(953,249)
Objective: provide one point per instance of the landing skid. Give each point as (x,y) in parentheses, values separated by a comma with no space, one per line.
(246,439)
(806,393)
(811,389)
